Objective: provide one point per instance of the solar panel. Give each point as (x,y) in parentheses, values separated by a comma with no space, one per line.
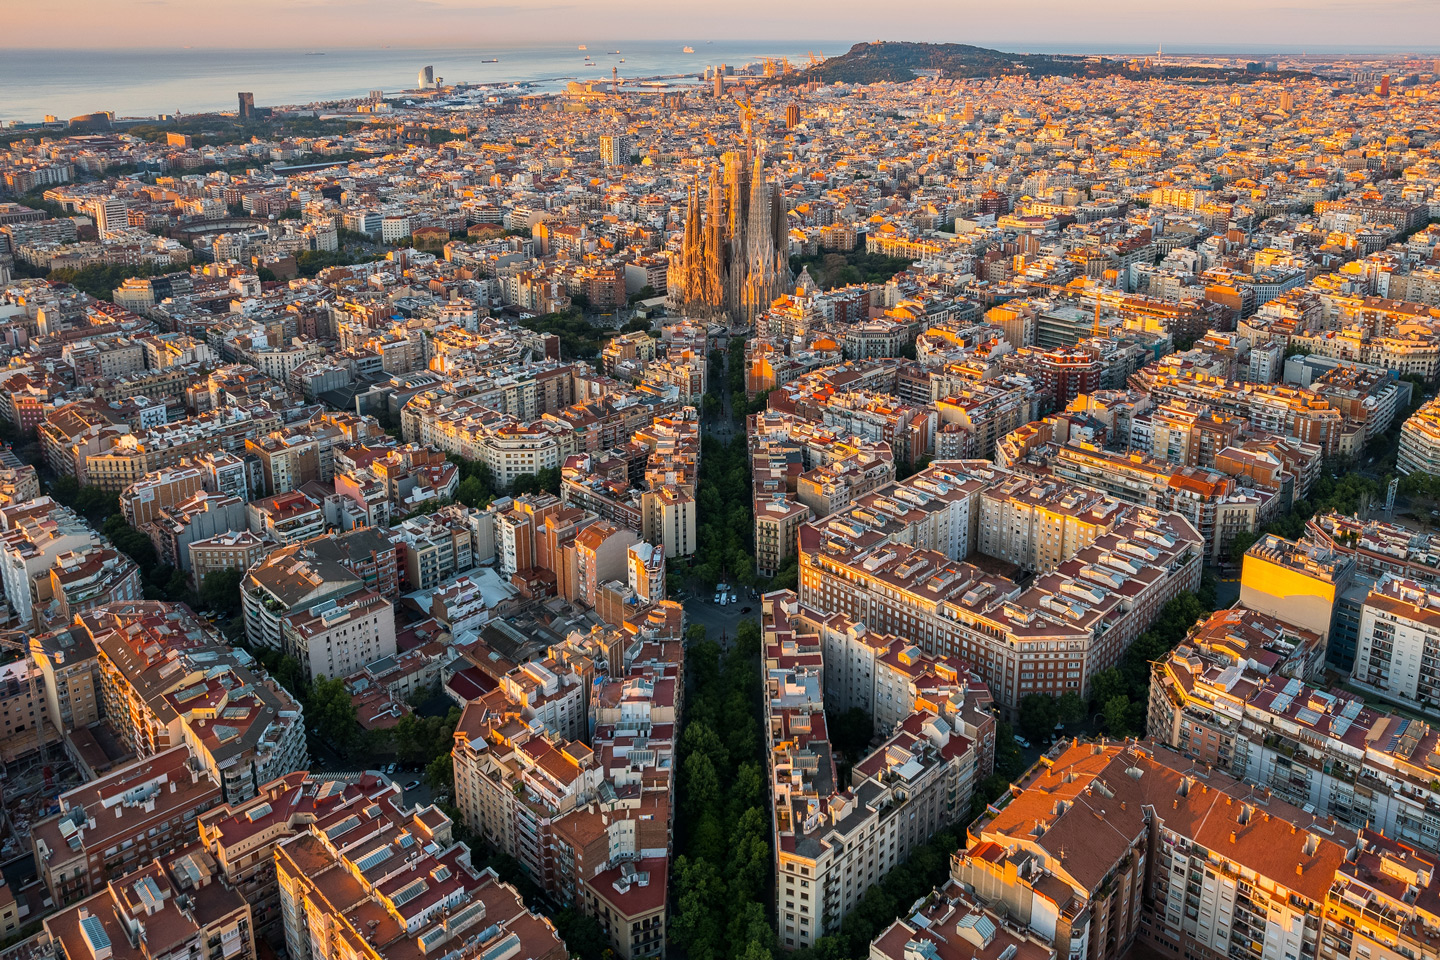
(95,934)
(374,858)
(408,893)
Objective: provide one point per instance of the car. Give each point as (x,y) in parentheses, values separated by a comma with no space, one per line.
(744,609)
(390,770)
(1023,742)
(412,784)
(718,598)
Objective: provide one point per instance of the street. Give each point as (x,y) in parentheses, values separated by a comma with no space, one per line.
(720,622)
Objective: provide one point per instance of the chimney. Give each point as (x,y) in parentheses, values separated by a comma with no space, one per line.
(1232,836)
(1299,869)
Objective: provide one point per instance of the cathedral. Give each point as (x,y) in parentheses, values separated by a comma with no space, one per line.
(735,253)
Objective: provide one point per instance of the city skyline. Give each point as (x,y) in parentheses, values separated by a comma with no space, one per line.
(147,24)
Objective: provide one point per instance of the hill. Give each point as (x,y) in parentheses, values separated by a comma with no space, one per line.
(897,62)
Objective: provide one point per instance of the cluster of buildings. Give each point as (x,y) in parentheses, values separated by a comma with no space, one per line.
(1122,340)
(834,840)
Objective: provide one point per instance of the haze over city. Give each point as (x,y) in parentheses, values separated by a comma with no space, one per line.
(745,481)
(1351,24)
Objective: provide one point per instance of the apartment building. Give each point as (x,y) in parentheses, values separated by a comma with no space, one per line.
(777,529)
(32,536)
(91,577)
(1105,846)
(70,672)
(167,679)
(383,881)
(121,822)
(1235,695)
(894,561)
(956,925)
(337,637)
(286,518)
(512,782)
(242,837)
(834,842)
(174,906)
(436,547)
(25,723)
(237,550)
(1297,582)
(1420,441)
(1399,641)
(303,575)
(145,499)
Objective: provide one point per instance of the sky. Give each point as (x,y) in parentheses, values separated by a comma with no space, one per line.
(1012,24)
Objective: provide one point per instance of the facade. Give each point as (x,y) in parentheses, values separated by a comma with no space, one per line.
(242,837)
(1420,441)
(832,842)
(335,638)
(1397,652)
(237,550)
(1236,695)
(777,529)
(167,680)
(894,560)
(121,822)
(376,881)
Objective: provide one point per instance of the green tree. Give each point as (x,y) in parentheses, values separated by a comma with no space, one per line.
(472,492)
(1117,715)
(220,591)
(1071,707)
(1038,715)
(332,711)
(440,774)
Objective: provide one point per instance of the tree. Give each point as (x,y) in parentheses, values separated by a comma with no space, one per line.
(1038,714)
(1243,541)
(1106,685)
(472,492)
(1117,715)
(1071,707)
(440,774)
(220,591)
(332,711)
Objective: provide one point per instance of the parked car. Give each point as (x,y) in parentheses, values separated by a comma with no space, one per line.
(1023,742)
(412,784)
(718,599)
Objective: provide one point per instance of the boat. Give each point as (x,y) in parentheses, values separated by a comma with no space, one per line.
(491,60)
(688,50)
(622,59)
(316,53)
(614,53)
(582,47)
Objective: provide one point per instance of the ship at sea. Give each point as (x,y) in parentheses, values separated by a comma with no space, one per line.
(688,50)
(582,47)
(491,60)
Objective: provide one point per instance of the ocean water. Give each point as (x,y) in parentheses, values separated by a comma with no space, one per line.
(67,83)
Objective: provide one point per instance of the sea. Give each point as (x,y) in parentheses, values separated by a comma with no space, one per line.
(147,83)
